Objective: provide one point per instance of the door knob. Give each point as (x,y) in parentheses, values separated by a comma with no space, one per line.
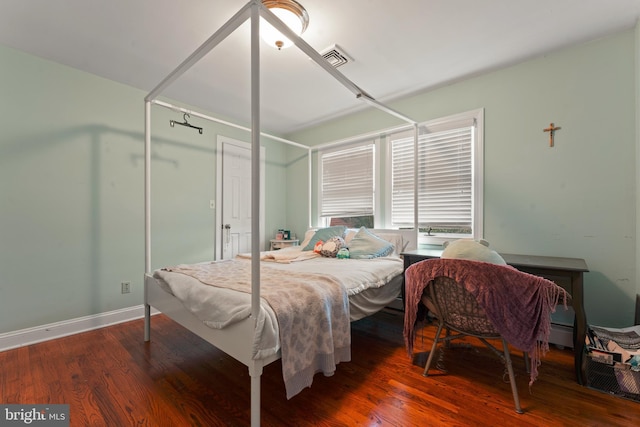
(227,229)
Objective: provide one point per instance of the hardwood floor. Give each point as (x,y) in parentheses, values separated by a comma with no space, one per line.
(111,377)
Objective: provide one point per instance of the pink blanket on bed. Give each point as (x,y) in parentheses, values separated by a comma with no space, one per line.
(518,304)
(312,312)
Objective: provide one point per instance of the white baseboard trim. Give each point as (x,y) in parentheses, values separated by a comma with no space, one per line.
(65,328)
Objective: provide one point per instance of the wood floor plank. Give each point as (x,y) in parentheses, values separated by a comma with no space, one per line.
(111,377)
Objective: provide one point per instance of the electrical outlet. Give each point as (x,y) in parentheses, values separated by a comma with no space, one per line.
(125,287)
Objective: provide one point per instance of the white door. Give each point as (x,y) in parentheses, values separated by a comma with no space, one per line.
(234,198)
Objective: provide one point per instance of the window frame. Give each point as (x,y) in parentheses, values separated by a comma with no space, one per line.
(477,166)
(383,173)
(324,221)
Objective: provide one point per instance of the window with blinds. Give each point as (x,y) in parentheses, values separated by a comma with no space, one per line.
(447,183)
(347,186)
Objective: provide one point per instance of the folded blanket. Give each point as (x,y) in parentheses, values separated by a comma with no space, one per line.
(518,304)
(285,255)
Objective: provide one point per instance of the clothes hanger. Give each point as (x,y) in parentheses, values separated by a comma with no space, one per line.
(185,123)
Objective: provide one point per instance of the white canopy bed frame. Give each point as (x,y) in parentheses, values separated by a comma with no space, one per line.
(227,339)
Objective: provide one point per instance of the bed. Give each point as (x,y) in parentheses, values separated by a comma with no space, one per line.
(213,299)
(240,337)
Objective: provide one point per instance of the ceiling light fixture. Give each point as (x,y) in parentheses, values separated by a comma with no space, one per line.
(292,13)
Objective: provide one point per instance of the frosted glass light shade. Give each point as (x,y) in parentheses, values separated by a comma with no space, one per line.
(291,13)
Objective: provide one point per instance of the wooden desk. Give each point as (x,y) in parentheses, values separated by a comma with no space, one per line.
(565,272)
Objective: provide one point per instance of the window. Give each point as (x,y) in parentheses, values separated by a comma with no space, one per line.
(347,190)
(449,178)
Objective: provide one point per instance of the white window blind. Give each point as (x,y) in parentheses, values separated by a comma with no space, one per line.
(347,187)
(445,180)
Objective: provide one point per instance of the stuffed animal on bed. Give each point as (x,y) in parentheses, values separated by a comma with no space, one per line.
(475,250)
(331,247)
(343,253)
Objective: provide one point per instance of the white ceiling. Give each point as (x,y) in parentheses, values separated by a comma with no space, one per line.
(399,47)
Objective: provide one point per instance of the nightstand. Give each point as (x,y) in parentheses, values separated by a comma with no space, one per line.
(279,243)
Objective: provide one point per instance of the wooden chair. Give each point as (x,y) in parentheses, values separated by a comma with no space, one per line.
(457,310)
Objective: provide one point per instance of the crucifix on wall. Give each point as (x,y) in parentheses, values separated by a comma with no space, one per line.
(551,129)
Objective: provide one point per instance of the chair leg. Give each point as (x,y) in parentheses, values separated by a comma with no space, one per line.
(512,378)
(433,350)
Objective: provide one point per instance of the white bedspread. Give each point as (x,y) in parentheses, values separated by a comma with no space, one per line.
(218,307)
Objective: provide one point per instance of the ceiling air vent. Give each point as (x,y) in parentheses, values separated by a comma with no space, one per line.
(336,56)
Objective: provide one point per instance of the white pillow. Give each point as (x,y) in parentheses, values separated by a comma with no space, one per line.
(475,250)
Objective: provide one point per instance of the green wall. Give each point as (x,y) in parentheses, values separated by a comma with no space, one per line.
(71,191)
(577,199)
(71,177)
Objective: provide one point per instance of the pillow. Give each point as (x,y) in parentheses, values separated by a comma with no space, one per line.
(365,244)
(395,239)
(308,235)
(331,247)
(348,235)
(325,234)
(474,250)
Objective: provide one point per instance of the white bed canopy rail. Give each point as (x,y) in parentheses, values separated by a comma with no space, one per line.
(252,11)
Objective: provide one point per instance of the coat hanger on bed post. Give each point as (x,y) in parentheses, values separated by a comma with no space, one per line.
(185,123)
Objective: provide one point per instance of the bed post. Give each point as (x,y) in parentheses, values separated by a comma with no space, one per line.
(255,200)
(310,186)
(147,214)
(416,220)
(255,372)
